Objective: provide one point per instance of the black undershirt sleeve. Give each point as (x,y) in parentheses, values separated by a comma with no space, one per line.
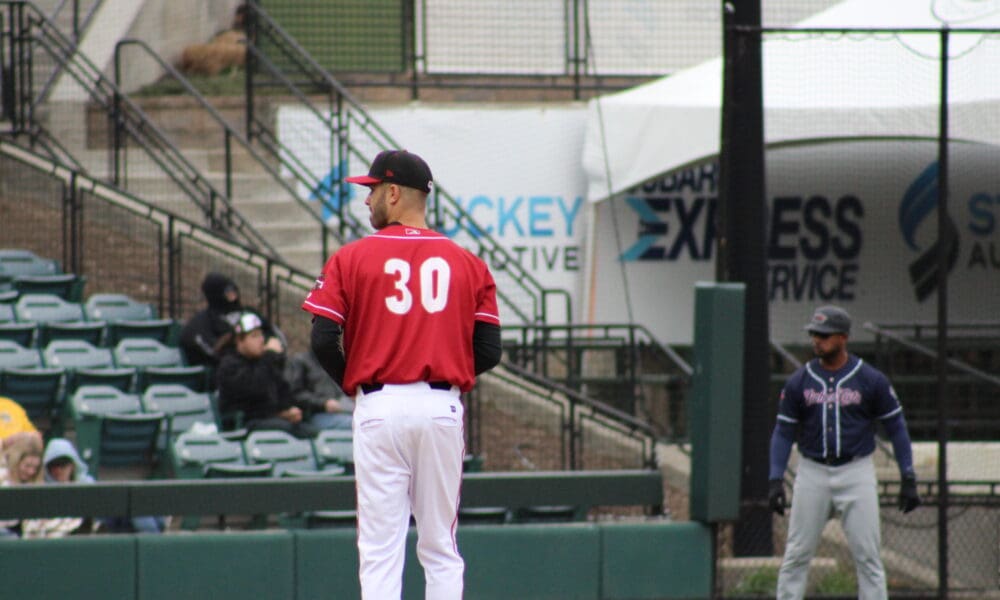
(486,348)
(327,344)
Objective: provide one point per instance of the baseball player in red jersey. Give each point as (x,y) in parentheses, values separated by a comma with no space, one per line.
(405,319)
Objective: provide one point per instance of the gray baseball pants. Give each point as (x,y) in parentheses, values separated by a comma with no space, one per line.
(851,490)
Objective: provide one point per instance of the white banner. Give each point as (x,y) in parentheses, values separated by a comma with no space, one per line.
(849,223)
(516,171)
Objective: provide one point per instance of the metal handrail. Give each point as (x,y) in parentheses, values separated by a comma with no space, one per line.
(576,401)
(443,205)
(128,117)
(954,363)
(232,135)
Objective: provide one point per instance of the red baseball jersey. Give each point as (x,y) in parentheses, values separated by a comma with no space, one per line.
(408,299)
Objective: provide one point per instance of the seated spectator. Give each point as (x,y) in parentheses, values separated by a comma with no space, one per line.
(313,389)
(251,380)
(23,457)
(209,330)
(64,465)
(15,424)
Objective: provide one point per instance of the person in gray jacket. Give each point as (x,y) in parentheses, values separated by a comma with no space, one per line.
(329,407)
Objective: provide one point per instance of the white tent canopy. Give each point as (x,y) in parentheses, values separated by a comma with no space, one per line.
(815,88)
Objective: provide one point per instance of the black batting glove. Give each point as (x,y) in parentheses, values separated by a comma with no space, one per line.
(776,496)
(908,496)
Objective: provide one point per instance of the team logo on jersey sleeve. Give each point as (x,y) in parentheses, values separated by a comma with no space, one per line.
(409,231)
(319,283)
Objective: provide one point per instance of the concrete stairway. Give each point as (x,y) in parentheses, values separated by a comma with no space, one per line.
(291,228)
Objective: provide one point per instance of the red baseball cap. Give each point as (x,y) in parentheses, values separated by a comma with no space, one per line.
(400,167)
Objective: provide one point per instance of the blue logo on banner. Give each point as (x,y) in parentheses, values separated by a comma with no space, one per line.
(919,201)
(327,189)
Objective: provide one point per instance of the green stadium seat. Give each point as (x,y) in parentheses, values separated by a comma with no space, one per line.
(161,330)
(74,355)
(119,378)
(194,377)
(115,308)
(182,407)
(91,332)
(65,285)
(16,262)
(16,356)
(288,455)
(129,439)
(7,313)
(21,333)
(37,390)
(140,353)
(335,447)
(44,308)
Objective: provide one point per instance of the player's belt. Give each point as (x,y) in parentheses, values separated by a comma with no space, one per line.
(374,387)
(832,461)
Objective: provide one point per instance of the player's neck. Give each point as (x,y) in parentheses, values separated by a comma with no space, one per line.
(835,362)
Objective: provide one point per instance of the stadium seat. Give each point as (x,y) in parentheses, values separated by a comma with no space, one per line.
(43,308)
(194,377)
(7,313)
(335,447)
(37,390)
(193,455)
(65,285)
(182,407)
(88,331)
(22,333)
(16,356)
(288,456)
(100,400)
(140,353)
(111,429)
(161,330)
(120,378)
(73,355)
(9,295)
(115,308)
(15,262)
(129,439)
(546,514)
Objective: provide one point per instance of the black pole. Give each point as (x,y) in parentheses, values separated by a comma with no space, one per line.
(945,244)
(743,257)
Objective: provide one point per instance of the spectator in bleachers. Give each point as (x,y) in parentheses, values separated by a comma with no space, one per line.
(208,331)
(15,424)
(312,388)
(64,465)
(251,380)
(23,457)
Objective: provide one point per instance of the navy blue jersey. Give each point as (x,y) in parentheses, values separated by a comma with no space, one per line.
(835,412)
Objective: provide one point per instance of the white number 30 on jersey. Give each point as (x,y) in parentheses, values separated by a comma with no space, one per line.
(435,276)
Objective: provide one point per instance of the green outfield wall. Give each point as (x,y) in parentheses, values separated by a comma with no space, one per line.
(564,562)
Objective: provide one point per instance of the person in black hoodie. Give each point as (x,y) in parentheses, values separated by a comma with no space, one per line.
(204,335)
(251,380)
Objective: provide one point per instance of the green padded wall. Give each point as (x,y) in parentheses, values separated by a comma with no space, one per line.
(661,560)
(220,566)
(326,564)
(77,568)
(717,401)
(529,561)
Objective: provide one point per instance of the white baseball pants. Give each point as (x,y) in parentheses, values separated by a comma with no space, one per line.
(408,447)
(852,491)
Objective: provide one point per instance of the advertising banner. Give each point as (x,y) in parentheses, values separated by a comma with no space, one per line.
(515,171)
(852,223)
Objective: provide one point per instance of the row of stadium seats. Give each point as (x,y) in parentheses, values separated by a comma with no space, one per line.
(41,381)
(104,320)
(24,272)
(262,453)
